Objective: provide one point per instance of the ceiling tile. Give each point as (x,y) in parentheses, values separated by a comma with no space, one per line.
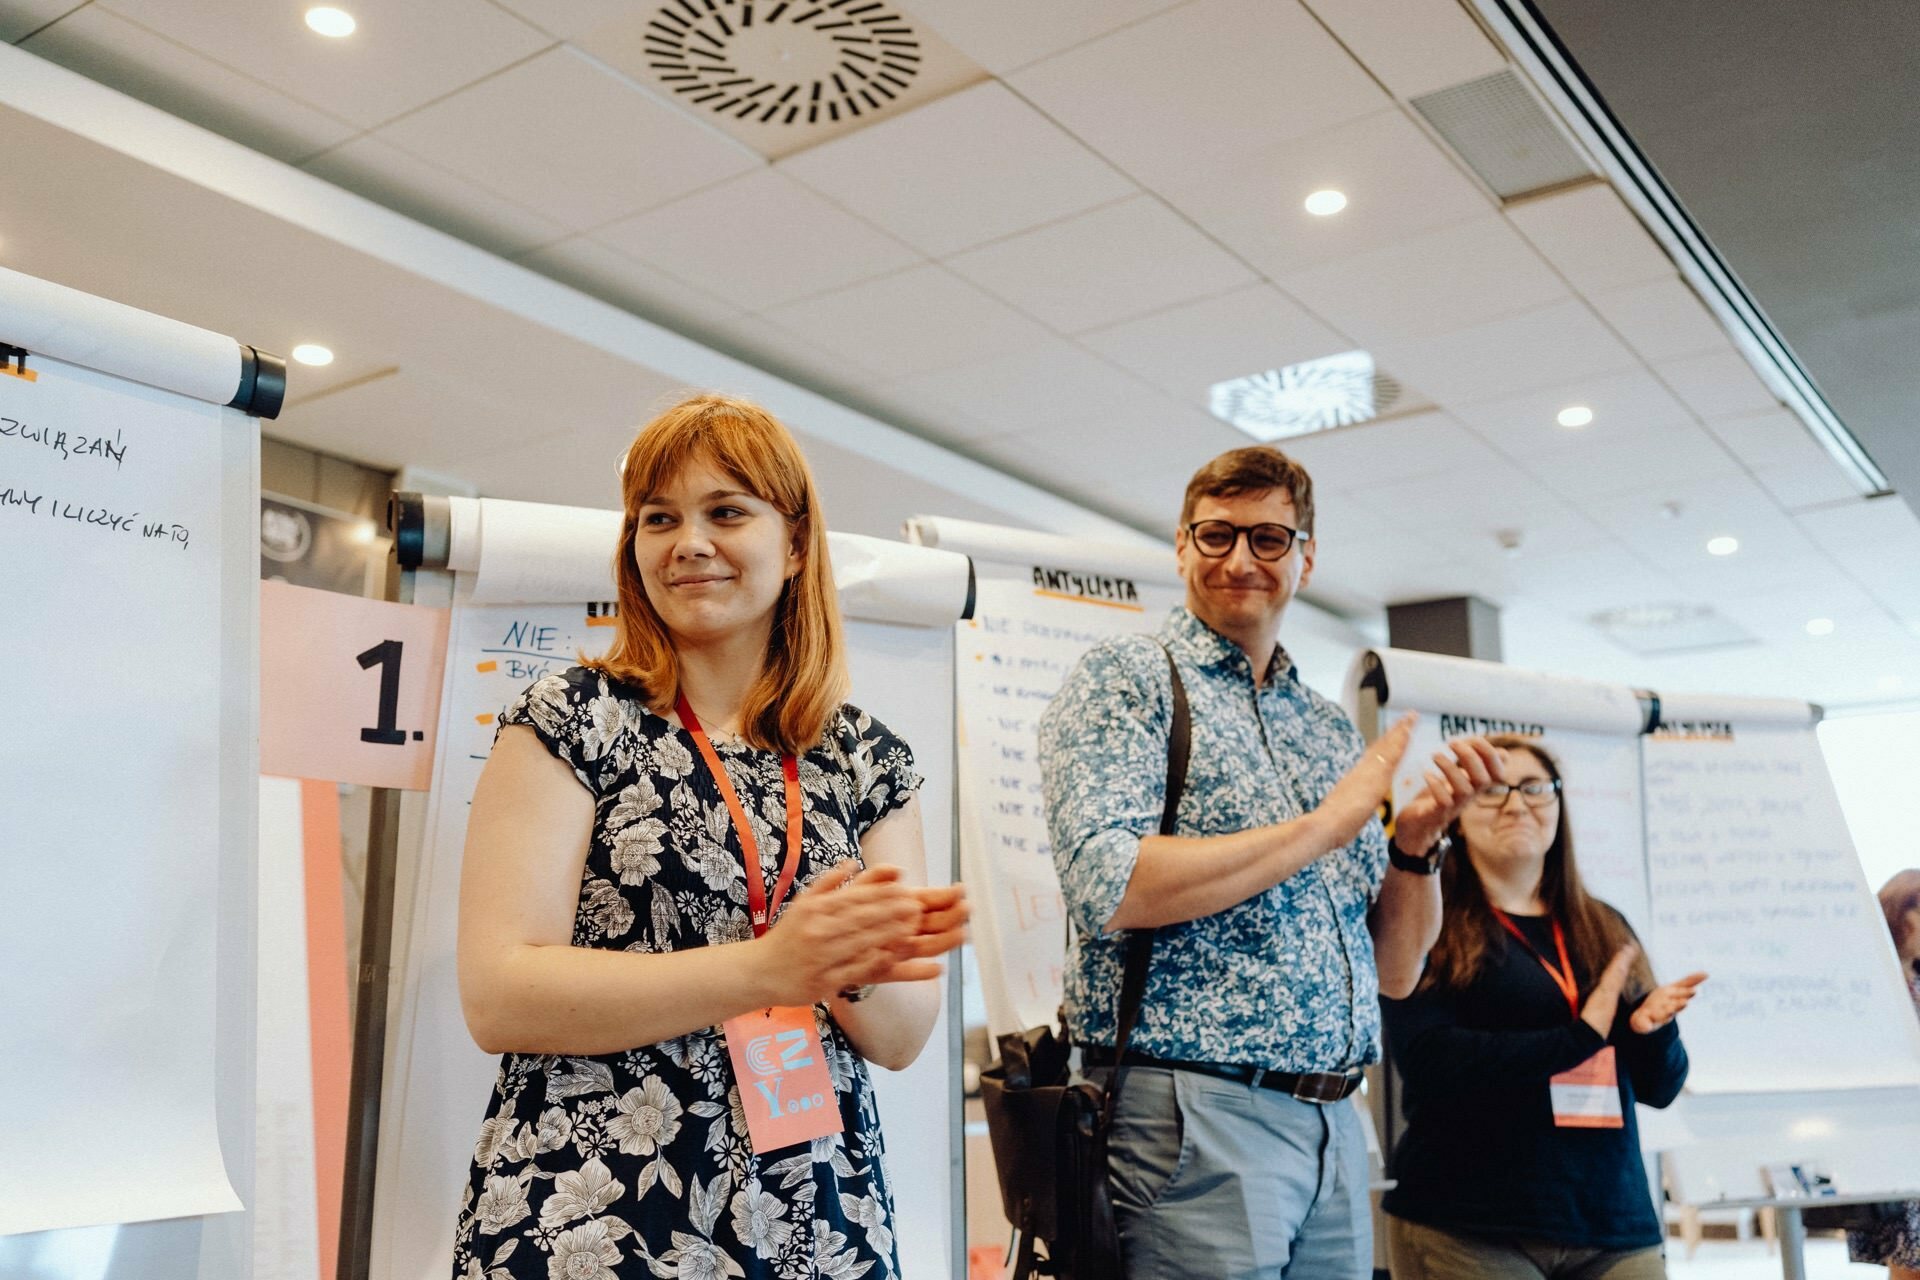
(1866,530)
(1186,349)
(1592,237)
(400,57)
(971,167)
(1606,575)
(1134,464)
(571,140)
(1718,384)
(1553,346)
(1412,46)
(21,18)
(1241,74)
(914,321)
(125,55)
(1467,508)
(569,19)
(402,182)
(1597,464)
(759,240)
(1661,320)
(1375,453)
(1771,436)
(646,291)
(1002,35)
(1430,282)
(1676,536)
(1033,390)
(1800,485)
(447,421)
(786,354)
(1097,268)
(1525,425)
(1396,179)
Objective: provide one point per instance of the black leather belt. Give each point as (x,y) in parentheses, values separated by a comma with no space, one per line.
(1321,1087)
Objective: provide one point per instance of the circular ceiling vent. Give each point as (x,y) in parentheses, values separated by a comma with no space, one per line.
(784,63)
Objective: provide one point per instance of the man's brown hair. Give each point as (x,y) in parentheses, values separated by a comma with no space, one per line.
(1255,469)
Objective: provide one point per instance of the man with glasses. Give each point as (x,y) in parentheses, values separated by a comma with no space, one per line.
(1278,921)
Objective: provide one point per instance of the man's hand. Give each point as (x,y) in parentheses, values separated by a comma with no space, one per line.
(1357,796)
(1450,786)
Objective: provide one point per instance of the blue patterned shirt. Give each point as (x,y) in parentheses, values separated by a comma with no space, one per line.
(1284,980)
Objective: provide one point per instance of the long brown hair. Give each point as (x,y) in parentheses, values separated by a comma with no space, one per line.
(805,677)
(1468,930)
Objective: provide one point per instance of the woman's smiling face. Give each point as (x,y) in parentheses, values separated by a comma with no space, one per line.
(712,557)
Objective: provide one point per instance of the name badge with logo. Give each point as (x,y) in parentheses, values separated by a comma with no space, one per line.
(1588,1096)
(782,1070)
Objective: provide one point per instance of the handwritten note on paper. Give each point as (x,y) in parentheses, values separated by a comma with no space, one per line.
(110,509)
(1012,657)
(1754,879)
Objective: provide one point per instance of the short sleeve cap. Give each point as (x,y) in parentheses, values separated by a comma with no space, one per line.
(575,716)
(884,778)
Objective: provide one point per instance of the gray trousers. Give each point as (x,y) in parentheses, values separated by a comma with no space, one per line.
(1217,1179)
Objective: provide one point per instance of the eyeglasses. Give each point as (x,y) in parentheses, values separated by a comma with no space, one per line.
(1215,539)
(1535,793)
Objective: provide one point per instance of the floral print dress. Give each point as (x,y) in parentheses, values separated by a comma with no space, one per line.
(637,1163)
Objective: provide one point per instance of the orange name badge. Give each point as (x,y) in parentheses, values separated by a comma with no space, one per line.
(1588,1096)
(784,1086)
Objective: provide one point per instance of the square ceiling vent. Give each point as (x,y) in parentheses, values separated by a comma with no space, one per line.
(1300,399)
(1497,126)
(781,75)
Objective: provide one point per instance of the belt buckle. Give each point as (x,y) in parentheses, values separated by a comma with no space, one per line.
(1313,1087)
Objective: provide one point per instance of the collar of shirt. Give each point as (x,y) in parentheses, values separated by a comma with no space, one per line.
(1190,638)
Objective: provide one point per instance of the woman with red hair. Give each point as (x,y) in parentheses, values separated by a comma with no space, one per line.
(693,905)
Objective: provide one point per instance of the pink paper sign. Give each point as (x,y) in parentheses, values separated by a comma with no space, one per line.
(349,688)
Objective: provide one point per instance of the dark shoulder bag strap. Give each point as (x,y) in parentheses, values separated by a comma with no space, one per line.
(1133,982)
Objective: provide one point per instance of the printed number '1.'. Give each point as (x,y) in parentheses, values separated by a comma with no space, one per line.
(387,655)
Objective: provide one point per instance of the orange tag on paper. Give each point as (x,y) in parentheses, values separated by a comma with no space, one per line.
(784,1085)
(1588,1096)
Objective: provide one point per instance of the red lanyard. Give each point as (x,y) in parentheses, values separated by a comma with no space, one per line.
(1563,976)
(757,902)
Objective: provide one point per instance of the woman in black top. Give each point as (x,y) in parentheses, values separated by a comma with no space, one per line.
(1534,1030)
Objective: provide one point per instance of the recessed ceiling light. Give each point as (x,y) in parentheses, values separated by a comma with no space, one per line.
(1315,395)
(1575,415)
(1887,684)
(311,353)
(1819,626)
(1322,204)
(332,22)
(1723,546)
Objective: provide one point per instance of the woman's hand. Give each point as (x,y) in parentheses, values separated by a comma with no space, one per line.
(1604,1003)
(1450,785)
(848,928)
(1663,1004)
(1357,796)
(852,927)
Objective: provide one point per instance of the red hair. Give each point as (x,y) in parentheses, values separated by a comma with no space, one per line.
(804,679)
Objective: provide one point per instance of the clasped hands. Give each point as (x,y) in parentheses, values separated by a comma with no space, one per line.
(851,927)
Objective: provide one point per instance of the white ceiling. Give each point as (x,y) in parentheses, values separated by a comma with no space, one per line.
(1044,269)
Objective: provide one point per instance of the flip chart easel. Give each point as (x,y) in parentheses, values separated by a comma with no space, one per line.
(129,498)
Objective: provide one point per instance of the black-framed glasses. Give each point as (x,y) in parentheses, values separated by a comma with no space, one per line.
(1216,538)
(1535,793)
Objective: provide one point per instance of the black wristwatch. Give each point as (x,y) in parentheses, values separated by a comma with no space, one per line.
(1422,866)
